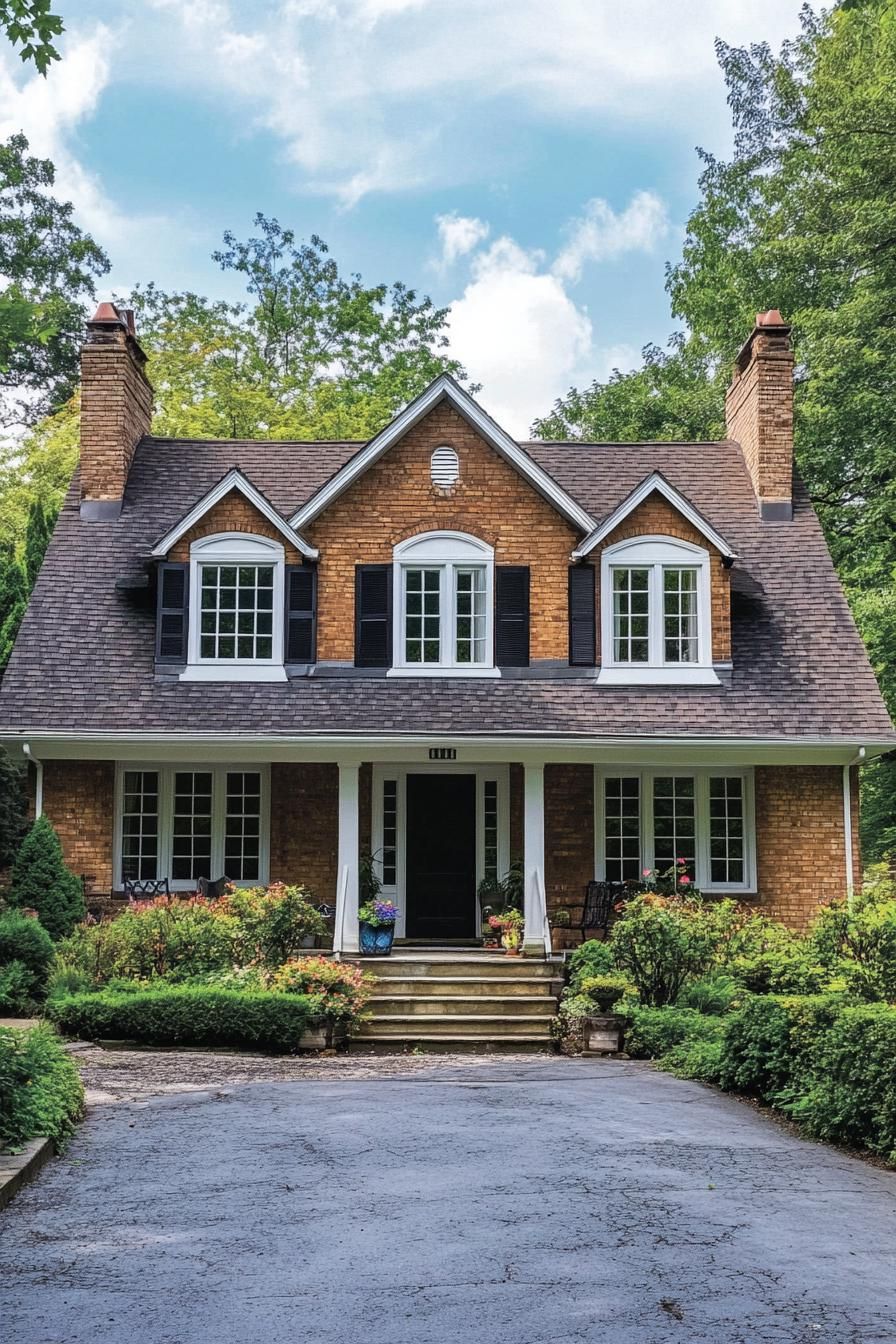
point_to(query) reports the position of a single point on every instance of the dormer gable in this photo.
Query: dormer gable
(216, 508)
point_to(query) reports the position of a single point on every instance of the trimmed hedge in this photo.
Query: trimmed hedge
(188, 1015)
(770, 1043)
(653, 1032)
(41, 1094)
(26, 950)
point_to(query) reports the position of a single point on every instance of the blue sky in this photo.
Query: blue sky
(530, 163)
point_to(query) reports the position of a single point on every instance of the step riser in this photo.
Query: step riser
(489, 1046)
(505, 1008)
(396, 967)
(456, 1026)
(439, 986)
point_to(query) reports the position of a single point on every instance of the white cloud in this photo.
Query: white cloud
(458, 235)
(600, 234)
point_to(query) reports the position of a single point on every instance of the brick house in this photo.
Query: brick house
(450, 649)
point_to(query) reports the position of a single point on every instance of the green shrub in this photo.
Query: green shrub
(603, 991)
(187, 1015)
(714, 995)
(64, 978)
(40, 1091)
(338, 990)
(273, 923)
(766, 957)
(661, 942)
(699, 1057)
(26, 950)
(592, 958)
(41, 881)
(770, 1041)
(851, 1098)
(859, 941)
(653, 1032)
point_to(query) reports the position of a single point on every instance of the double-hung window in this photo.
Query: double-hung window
(185, 822)
(656, 612)
(443, 602)
(652, 819)
(236, 609)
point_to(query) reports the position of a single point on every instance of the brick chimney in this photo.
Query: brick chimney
(759, 413)
(116, 409)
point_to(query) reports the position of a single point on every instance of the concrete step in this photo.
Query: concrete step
(407, 1025)
(449, 1045)
(403, 964)
(508, 1006)
(473, 986)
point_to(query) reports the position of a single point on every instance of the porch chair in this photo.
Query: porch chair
(600, 898)
(144, 890)
(212, 891)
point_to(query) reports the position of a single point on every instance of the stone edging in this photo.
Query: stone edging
(17, 1169)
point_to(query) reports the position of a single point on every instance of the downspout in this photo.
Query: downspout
(847, 822)
(38, 780)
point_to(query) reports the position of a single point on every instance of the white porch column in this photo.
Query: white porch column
(345, 932)
(534, 907)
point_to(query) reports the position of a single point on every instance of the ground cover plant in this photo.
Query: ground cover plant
(41, 1094)
(720, 993)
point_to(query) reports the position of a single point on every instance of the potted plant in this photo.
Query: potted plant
(497, 897)
(376, 927)
(510, 925)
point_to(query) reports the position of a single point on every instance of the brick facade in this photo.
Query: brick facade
(233, 513)
(116, 409)
(759, 409)
(304, 826)
(656, 517)
(79, 799)
(396, 499)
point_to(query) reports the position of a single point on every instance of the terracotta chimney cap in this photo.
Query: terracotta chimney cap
(106, 312)
(772, 318)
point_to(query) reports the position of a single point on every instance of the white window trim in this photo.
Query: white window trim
(701, 776)
(654, 553)
(397, 891)
(447, 552)
(235, 548)
(166, 773)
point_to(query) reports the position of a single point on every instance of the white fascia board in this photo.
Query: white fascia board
(655, 481)
(445, 387)
(234, 480)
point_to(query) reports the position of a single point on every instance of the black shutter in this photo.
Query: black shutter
(512, 615)
(301, 613)
(373, 615)
(581, 616)
(172, 613)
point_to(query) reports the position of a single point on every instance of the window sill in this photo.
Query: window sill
(657, 676)
(430, 671)
(235, 672)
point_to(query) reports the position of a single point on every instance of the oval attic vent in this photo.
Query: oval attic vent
(444, 466)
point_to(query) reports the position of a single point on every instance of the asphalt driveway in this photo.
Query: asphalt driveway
(517, 1202)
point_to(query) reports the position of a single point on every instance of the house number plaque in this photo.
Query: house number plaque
(443, 753)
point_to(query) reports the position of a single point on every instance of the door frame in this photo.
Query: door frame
(396, 891)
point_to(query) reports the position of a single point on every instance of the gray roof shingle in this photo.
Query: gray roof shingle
(84, 656)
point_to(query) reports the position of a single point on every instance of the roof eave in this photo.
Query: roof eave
(233, 480)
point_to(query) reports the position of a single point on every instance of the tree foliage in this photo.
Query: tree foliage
(41, 881)
(31, 26)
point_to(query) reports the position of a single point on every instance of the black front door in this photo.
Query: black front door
(440, 865)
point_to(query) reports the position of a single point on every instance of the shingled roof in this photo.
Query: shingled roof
(83, 661)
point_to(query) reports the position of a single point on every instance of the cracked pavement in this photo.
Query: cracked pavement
(419, 1200)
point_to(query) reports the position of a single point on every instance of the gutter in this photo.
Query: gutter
(38, 780)
(847, 822)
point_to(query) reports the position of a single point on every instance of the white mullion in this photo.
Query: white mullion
(447, 616)
(648, 858)
(219, 821)
(702, 873)
(166, 819)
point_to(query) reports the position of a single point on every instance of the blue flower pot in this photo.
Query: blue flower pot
(375, 940)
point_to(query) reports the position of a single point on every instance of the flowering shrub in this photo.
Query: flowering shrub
(675, 878)
(661, 942)
(338, 991)
(273, 923)
(378, 914)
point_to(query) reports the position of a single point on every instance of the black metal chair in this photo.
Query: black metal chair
(600, 898)
(212, 891)
(145, 889)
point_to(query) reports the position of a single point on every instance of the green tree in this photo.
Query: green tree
(48, 267)
(13, 597)
(12, 808)
(38, 469)
(37, 538)
(31, 26)
(41, 881)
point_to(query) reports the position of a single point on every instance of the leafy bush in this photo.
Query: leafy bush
(603, 991)
(653, 1032)
(274, 923)
(338, 991)
(188, 1015)
(592, 958)
(766, 957)
(859, 940)
(697, 1057)
(714, 995)
(664, 941)
(26, 950)
(40, 1091)
(851, 1098)
(770, 1042)
(41, 881)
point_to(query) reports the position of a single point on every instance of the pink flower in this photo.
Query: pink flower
(646, 872)
(682, 860)
(684, 879)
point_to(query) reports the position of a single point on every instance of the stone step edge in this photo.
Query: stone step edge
(424, 1018)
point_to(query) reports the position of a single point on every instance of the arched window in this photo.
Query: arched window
(443, 602)
(236, 608)
(655, 606)
(444, 467)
